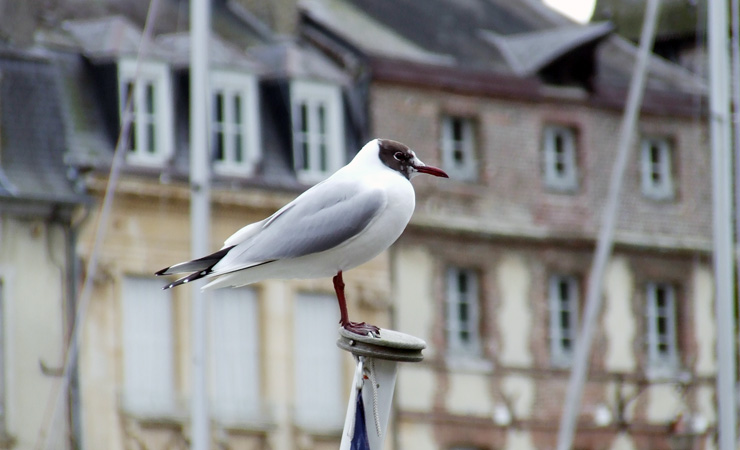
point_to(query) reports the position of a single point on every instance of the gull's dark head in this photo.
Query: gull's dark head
(402, 159)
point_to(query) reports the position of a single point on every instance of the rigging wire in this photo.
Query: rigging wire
(72, 351)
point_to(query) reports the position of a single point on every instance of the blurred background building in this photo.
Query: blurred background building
(520, 106)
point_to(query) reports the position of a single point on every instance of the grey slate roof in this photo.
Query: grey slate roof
(511, 38)
(33, 133)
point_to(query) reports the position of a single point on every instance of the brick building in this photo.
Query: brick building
(522, 108)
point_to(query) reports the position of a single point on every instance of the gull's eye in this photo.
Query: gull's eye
(398, 156)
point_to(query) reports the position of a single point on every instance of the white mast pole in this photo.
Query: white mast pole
(719, 127)
(200, 213)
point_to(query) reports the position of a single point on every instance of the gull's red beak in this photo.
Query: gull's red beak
(431, 170)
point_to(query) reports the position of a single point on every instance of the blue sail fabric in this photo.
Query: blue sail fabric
(359, 439)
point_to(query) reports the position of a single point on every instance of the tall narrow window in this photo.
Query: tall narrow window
(458, 148)
(661, 326)
(148, 345)
(148, 90)
(235, 131)
(563, 298)
(234, 353)
(317, 364)
(559, 148)
(462, 314)
(318, 130)
(656, 173)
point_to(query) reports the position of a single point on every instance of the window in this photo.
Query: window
(148, 345)
(458, 148)
(319, 385)
(234, 353)
(317, 130)
(657, 179)
(461, 321)
(559, 147)
(661, 326)
(563, 299)
(150, 134)
(235, 132)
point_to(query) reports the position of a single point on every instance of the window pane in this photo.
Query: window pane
(462, 282)
(238, 147)
(321, 113)
(304, 118)
(132, 136)
(218, 145)
(218, 107)
(149, 98)
(463, 310)
(151, 138)
(457, 129)
(237, 109)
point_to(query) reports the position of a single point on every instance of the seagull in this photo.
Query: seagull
(338, 224)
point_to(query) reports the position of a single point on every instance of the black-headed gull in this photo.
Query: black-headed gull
(338, 224)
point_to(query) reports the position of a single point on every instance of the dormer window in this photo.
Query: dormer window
(318, 130)
(235, 130)
(148, 86)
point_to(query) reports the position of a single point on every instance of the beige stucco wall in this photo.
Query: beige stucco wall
(32, 269)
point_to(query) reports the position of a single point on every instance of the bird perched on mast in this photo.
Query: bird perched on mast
(338, 224)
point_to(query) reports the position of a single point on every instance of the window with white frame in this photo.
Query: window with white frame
(234, 128)
(148, 346)
(656, 168)
(318, 129)
(661, 326)
(148, 88)
(317, 363)
(563, 299)
(462, 312)
(560, 158)
(458, 148)
(234, 355)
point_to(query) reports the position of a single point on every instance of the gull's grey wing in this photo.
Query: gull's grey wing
(322, 218)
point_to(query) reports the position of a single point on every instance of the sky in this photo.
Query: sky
(578, 10)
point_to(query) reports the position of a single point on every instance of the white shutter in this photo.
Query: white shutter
(148, 345)
(317, 360)
(234, 355)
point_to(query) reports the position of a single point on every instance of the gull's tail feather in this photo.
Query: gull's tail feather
(198, 267)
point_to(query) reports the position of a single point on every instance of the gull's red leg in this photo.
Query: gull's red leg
(358, 328)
